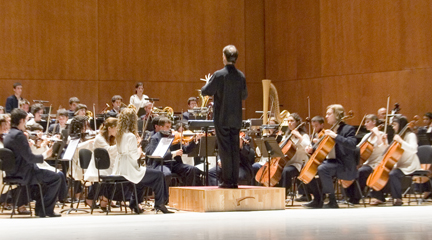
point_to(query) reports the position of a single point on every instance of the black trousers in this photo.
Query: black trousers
(395, 182)
(229, 153)
(244, 176)
(287, 174)
(363, 174)
(51, 183)
(324, 185)
(189, 174)
(156, 180)
(106, 190)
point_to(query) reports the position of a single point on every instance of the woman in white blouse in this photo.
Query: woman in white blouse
(407, 164)
(126, 163)
(138, 99)
(300, 140)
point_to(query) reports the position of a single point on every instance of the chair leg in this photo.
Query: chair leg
(110, 199)
(95, 197)
(124, 199)
(28, 200)
(361, 192)
(15, 200)
(5, 203)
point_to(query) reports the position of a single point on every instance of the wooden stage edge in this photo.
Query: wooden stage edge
(214, 199)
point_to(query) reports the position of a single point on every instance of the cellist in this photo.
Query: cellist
(375, 138)
(340, 162)
(407, 164)
(301, 140)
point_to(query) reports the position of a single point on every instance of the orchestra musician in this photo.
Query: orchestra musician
(301, 140)
(24, 104)
(172, 162)
(26, 165)
(2, 110)
(127, 166)
(139, 98)
(149, 116)
(12, 101)
(381, 114)
(62, 118)
(73, 103)
(37, 111)
(116, 102)
(192, 103)
(375, 137)
(317, 123)
(424, 134)
(341, 160)
(228, 86)
(407, 164)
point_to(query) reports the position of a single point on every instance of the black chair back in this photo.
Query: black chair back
(425, 154)
(84, 158)
(7, 160)
(102, 158)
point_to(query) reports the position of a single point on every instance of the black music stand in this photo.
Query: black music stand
(207, 149)
(203, 125)
(269, 148)
(161, 149)
(68, 156)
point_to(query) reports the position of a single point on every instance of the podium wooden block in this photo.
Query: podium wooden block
(214, 199)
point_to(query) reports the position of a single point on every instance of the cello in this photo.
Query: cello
(379, 178)
(277, 164)
(322, 149)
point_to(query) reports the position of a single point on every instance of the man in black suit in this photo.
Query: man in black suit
(25, 164)
(341, 161)
(12, 102)
(228, 86)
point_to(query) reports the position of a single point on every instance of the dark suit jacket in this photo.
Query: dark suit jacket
(346, 152)
(11, 103)
(228, 86)
(423, 137)
(25, 160)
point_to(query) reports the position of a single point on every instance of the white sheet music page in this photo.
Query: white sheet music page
(162, 147)
(70, 150)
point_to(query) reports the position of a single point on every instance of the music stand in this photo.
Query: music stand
(207, 149)
(68, 156)
(203, 125)
(269, 148)
(161, 149)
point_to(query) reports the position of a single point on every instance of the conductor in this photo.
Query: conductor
(228, 86)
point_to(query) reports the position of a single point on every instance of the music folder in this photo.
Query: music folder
(276, 150)
(162, 147)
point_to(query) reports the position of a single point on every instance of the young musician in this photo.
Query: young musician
(317, 123)
(62, 118)
(272, 133)
(228, 86)
(341, 160)
(12, 102)
(25, 162)
(300, 141)
(375, 137)
(126, 162)
(172, 162)
(73, 103)
(37, 111)
(424, 134)
(81, 110)
(407, 164)
(116, 102)
(139, 98)
(192, 103)
(2, 110)
(24, 104)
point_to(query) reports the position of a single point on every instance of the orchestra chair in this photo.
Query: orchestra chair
(102, 161)
(424, 154)
(7, 163)
(85, 156)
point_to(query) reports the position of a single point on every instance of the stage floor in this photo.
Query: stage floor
(406, 222)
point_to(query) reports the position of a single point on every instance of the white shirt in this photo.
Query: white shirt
(138, 103)
(92, 174)
(409, 161)
(377, 153)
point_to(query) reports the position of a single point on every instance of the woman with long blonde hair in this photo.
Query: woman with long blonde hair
(126, 163)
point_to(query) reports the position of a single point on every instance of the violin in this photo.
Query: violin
(322, 149)
(184, 137)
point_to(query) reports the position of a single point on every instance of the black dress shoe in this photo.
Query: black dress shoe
(163, 209)
(313, 204)
(54, 215)
(331, 205)
(225, 185)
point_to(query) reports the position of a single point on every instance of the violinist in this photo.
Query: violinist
(172, 159)
(192, 103)
(116, 103)
(317, 123)
(341, 160)
(375, 137)
(62, 117)
(301, 140)
(424, 134)
(73, 103)
(407, 164)
(37, 111)
(12, 101)
(247, 158)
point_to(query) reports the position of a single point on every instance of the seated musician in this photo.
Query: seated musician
(26, 165)
(317, 123)
(12, 101)
(300, 141)
(24, 104)
(2, 110)
(407, 164)
(139, 98)
(341, 161)
(37, 111)
(126, 164)
(172, 162)
(424, 134)
(73, 103)
(3, 129)
(192, 103)
(116, 103)
(381, 114)
(148, 107)
(147, 135)
(375, 137)
(81, 110)
(247, 158)
(62, 118)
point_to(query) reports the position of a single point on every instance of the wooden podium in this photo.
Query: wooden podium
(214, 199)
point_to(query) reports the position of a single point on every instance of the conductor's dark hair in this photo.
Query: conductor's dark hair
(16, 115)
(230, 53)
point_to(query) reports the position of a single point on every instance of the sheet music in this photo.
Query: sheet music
(70, 150)
(162, 147)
